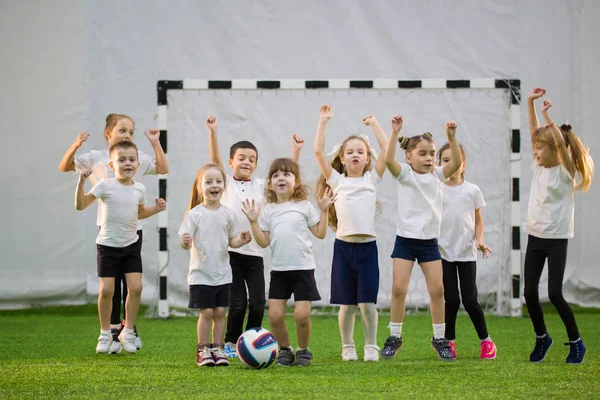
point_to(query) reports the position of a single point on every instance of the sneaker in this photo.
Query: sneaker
(204, 357)
(219, 357)
(488, 350)
(128, 341)
(391, 346)
(104, 342)
(115, 346)
(542, 345)
(138, 341)
(230, 350)
(442, 348)
(577, 352)
(303, 358)
(285, 358)
(371, 353)
(453, 348)
(349, 353)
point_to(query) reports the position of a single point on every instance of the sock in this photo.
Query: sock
(126, 331)
(543, 336)
(487, 338)
(439, 331)
(115, 326)
(395, 329)
(575, 341)
(106, 333)
(203, 345)
(300, 349)
(346, 317)
(368, 313)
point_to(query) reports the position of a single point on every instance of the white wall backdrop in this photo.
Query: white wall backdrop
(67, 64)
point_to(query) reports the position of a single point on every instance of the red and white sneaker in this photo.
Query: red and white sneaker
(204, 357)
(452, 347)
(488, 350)
(219, 356)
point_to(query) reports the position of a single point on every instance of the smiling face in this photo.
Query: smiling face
(422, 157)
(283, 183)
(124, 162)
(243, 163)
(355, 156)
(121, 131)
(212, 185)
(544, 154)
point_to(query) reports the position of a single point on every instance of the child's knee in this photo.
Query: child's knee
(302, 317)
(107, 292)
(219, 313)
(276, 317)
(207, 313)
(399, 290)
(436, 291)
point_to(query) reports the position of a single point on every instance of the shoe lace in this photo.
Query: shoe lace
(205, 353)
(130, 338)
(219, 352)
(104, 339)
(574, 346)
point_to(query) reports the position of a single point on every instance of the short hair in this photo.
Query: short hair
(244, 144)
(124, 145)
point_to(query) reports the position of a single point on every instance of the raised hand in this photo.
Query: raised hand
(81, 137)
(297, 141)
(211, 122)
(83, 175)
(397, 122)
(451, 129)
(245, 237)
(482, 247)
(325, 113)
(161, 204)
(186, 239)
(327, 200)
(546, 106)
(153, 135)
(536, 93)
(369, 119)
(251, 209)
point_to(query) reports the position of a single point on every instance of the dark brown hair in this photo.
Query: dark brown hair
(408, 144)
(123, 145)
(111, 121)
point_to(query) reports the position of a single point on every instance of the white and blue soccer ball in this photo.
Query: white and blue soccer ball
(257, 348)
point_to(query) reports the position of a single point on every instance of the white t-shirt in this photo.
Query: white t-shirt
(457, 234)
(209, 256)
(356, 202)
(550, 213)
(118, 205)
(291, 239)
(97, 162)
(235, 193)
(419, 203)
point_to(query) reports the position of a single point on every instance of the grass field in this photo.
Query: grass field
(50, 353)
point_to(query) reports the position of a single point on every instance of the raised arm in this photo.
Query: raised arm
(297, 145)
(324, 116)
(559, 141)
(162, 165)
(68, 161)
(320, 230)
(479, 242)
(456, 161)
(534, 124)
(371, 121)
(252, 210)
(83, 201)
(213, 143)
(390, 152)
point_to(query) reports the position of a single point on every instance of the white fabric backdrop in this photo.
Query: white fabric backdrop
(59, 78)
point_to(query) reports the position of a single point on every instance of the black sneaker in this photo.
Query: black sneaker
(542, 345)
(285, 358)
(303, 358)
(577, 352)
(442, 348)
(391, 346)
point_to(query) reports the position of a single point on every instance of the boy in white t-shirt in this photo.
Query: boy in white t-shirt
(287, 224)
(247, 261)
(461, 235)
(418, 229)
(121, 202)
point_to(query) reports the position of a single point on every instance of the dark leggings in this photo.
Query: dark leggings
(466, 271)
(120, 281)
(535, 257)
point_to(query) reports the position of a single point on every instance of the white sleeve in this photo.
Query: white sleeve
(479, 201)
(405, 170)
(439, 173)
(564, 174)
(374, 178)
(99, 190)
(142, 189)
(335, 180)
(147, 164)
(263, 220)
(313, 217)
(189, 225)
(84, 162)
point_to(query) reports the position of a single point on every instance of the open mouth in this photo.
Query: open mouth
(215, 192)
(354, 162)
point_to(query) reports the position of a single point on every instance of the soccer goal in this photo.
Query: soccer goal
(268, 112)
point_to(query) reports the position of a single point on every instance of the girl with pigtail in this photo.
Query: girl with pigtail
(355, 271)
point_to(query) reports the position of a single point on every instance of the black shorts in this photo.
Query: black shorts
(301, 283)
(205, 296)
(116, 261)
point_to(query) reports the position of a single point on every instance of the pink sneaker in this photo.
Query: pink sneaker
(488, 350)
(452, 347)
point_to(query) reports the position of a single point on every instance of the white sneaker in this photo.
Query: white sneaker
(371, 352)
(128, 341)
(349, 353)
(115, 347)
(104, 342)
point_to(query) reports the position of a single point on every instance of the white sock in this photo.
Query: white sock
(106, 333)
(126, 331)
(346, 317)
(300, 349)
(575, 341)
(487, 338)
(439, 330)
(395, 329)
(541, 337)
(368, 313)
(115, 326)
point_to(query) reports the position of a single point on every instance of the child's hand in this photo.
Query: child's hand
(251, 209)
(211, 122)
(161, 204)
(152, 135)
(325, 114)
(83, 175)
(186, 239)
(451, 129)
(297, 141)
(546, 106)
(397, 122)
(536, 93)
(327, 199)
(482, 247)
(245, 237)
(81, 137)
(369, 120)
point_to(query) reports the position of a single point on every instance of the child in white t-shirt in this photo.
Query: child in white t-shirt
(119, 127)
(461, 235)
(286, 224)
(418, 228)
(559, 158)
(121, 203)
(208, 230)
(355, 268)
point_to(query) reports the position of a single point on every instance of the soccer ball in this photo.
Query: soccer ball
(257, 348)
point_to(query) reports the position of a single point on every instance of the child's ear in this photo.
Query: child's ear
(111, 165)
(230, 162)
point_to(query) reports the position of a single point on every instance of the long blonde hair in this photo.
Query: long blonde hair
(196, 196)
(286, 165)
(336, 164)
(580, 153)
